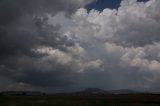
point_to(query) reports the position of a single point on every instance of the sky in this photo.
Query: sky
(70, 45)
(103, 4)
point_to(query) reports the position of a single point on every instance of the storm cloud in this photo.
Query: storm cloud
(23, 28)
(49, 45)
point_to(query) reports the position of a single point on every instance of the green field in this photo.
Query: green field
(103, 100)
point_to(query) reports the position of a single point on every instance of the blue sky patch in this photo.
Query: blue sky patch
(102, 4)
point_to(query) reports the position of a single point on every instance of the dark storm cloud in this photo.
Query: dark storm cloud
(23, 28)
(37, 72)
(41, 48)
(13, 10)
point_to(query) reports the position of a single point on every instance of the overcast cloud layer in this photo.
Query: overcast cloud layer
(58, 45)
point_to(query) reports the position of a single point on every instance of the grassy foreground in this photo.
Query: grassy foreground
(92, 100)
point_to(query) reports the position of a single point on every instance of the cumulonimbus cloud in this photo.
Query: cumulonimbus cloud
(112, 49)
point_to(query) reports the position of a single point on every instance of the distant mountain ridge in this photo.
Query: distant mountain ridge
(123, 91)
(22, 93)
(93, 91)
(101, 91)
(87, 91)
